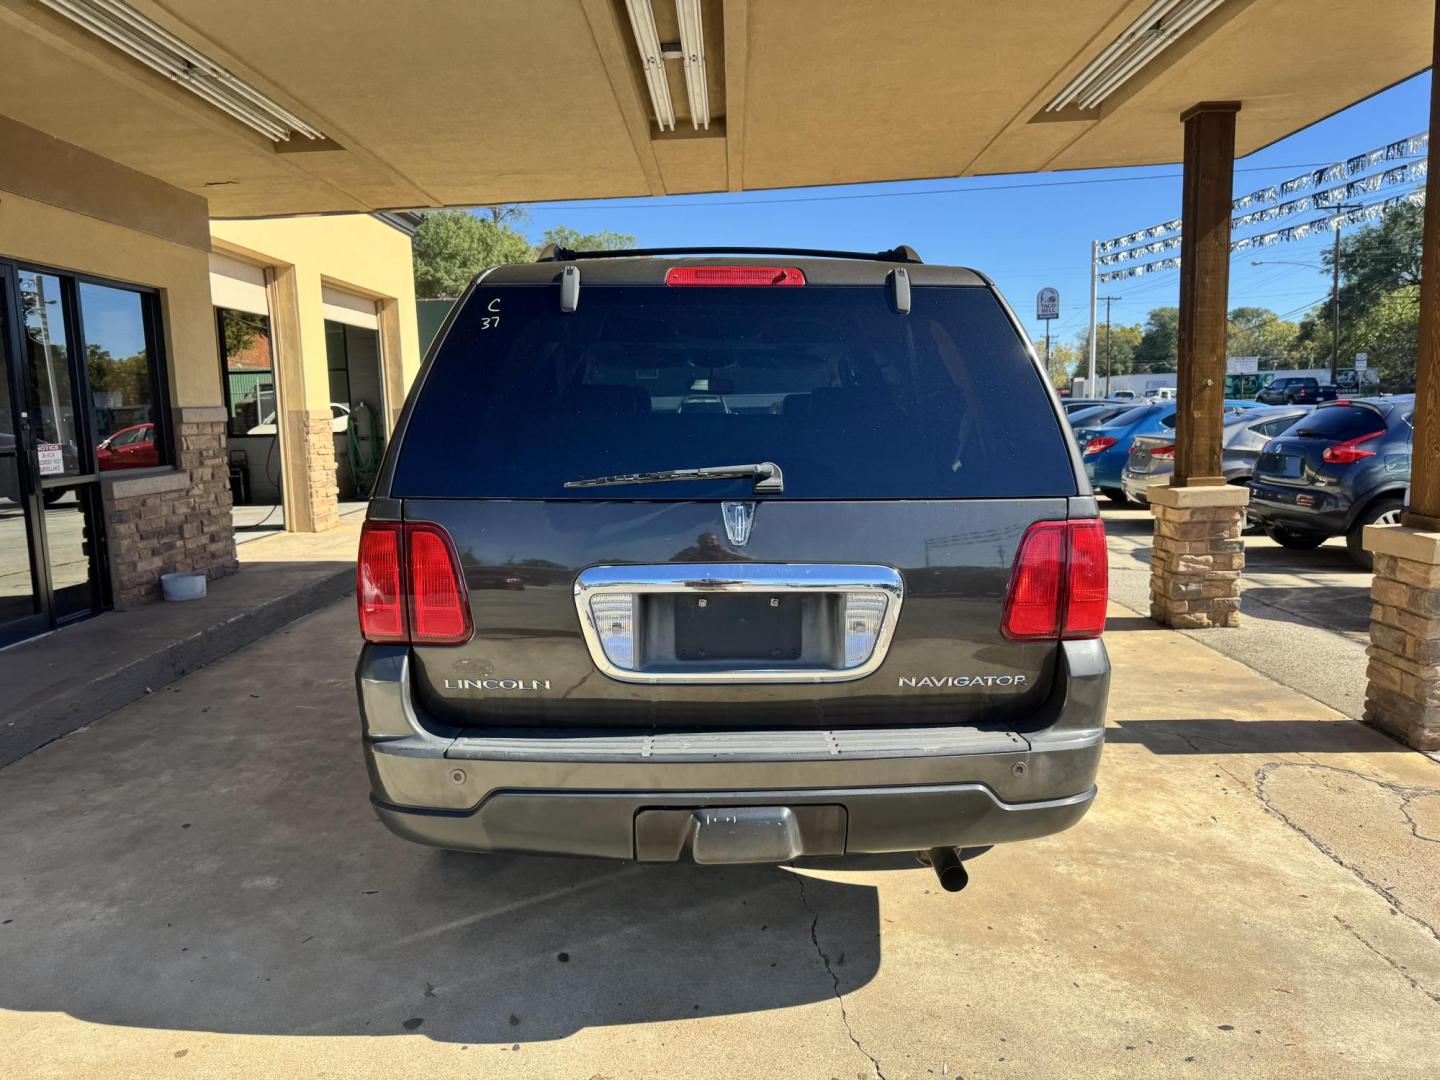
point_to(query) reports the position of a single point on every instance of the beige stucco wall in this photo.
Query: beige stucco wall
(354, 252)
(61, 238)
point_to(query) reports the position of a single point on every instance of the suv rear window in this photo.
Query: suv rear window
(850, 399)
(1340, 422)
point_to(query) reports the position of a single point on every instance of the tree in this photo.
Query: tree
(452, 246)
(1388, 331)
(1123, 343)
(507, 213)
(1257, 331)
(1379, 299)
(1063, 363)
(1379, 258)
(573, 239)
(1159, 347)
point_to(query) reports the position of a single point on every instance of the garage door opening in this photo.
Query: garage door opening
(249, 383)
(357, 395)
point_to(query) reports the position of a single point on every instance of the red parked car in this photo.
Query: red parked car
(129, 448)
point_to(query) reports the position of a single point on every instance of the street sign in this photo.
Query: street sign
(1242, 365)
(1047, 304)
(1362, 361)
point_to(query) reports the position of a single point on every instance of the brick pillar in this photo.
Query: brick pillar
(1403, 693)
(175, 521)
(1196, 559)
(321, 488)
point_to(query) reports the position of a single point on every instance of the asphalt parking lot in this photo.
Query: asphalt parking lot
(196, 887)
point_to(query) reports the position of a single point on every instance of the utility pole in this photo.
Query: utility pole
(1094, 289)
(1340, 208)
(1108, 301)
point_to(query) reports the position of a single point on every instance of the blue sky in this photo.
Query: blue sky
(1026, 231)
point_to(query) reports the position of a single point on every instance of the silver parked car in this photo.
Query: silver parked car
(1152, 457)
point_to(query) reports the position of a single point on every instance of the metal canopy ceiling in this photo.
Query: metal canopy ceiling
(450, 102)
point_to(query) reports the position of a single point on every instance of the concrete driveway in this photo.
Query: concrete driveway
(195, 886)
(1305, 615)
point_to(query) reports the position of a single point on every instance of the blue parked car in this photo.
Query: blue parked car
(1106, 448)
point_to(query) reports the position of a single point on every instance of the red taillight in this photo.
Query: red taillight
(379, 592)
(1163, 451)
(734, 275)
(1032, 606)
(1088, 582)
(439, 607)
(1059, 584)
(409, 586)
(1099, 445)
(1349, 452)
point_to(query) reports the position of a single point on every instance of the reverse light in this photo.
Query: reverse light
(734, 275)
(1349, 451)
(613, 615)
(1099, 445)
(409, 587)
(864, 615)
(1059, 584)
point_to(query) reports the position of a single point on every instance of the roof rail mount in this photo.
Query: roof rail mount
(904, 253)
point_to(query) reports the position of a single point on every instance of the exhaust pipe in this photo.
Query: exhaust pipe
(945, 861)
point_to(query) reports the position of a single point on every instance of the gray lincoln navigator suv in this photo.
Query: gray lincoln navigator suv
(732, 557)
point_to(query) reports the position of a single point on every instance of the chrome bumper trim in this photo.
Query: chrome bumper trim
(691, 578)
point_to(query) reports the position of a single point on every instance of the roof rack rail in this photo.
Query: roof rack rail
(904, 253)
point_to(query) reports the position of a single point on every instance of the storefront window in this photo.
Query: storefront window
(123, 381)
(249, 372)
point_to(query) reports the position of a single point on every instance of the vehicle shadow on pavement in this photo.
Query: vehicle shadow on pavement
(1121, 623)
(206, 860)
(1228, 736)
(379, 937)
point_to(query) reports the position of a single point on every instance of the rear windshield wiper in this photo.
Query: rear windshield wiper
(767, 476)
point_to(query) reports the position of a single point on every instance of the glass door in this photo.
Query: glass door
(22, 610)
(50, 540)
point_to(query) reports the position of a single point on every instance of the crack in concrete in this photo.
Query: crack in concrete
(1263, 774)
(834, 979)
(1399, 970)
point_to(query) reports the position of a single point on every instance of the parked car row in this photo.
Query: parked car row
(1315, 471)
(1105, 447)
(1152, 457)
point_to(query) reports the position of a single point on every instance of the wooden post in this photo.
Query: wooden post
(1425, 460)
(1204, 291)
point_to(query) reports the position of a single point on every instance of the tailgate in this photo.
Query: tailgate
(528, 663)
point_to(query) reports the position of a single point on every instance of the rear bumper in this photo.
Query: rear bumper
(1137, 485)
(1104, 469)
(1277, 504)
(859, 820)
(641, 796)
